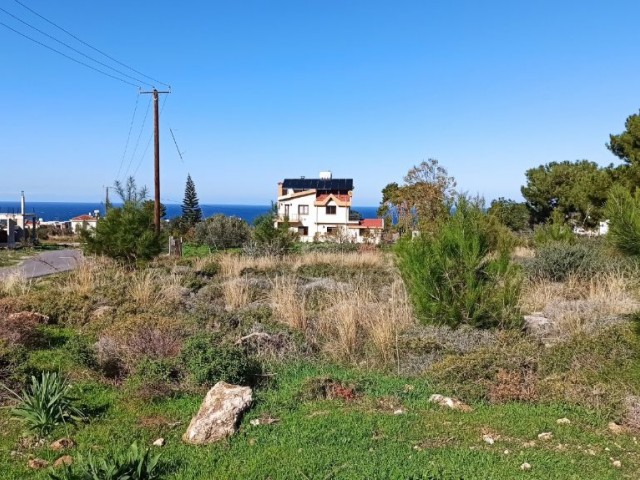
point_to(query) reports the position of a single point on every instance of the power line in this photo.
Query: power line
(135, 149)
(90, 46)
(74, 49)
(126, 145)
(67, 56)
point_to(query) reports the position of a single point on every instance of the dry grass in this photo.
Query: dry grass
(579, 304)
(15, 284)
(347, 259)
(288, 303)
(144, 288)
(237, 293)
(231, 266)
(523, 253)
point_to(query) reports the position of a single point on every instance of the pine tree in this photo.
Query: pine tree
(191, 212)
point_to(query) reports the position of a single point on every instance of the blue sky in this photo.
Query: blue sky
(263, 90)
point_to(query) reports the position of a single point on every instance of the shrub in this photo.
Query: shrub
(269, 240)
(136, 464)
(81, 351)
(208, 361)
(46, 403)
(556, 230)
(155, 379)
(456, 276)
(557, 261)
(220, 232)
(623, 212)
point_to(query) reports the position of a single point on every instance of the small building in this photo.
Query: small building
(83, 222)
(15, 227)
(319, 209)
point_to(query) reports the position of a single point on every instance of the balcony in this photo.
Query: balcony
(291, 218)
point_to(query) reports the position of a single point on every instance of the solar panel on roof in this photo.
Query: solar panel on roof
(318, 184)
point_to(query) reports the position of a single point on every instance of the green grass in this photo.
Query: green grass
(320, 438)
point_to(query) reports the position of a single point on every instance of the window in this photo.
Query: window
(332, 230)
(303, 231)
(331, 209)
(303, 209)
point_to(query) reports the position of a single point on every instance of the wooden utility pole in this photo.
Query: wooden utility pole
(106, 201)
(156, 159)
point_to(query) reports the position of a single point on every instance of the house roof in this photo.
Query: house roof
(372, 223)
(297, 194)
(84, 218)
(342, 184)
(340, 199)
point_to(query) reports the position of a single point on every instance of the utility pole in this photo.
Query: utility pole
(156, 158)
(106, 201)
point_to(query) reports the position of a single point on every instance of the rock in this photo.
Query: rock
(615, 428)
(563, 421)
(159, 442)
(399, 411)
(525, 466)
(537, 324)
(265, 420)
(617, 463)
(62, 461)
(219, 414)
(545, 436)
(62, 444)
(452, 403)
(488, 439)
(37, 464)
(506, 452)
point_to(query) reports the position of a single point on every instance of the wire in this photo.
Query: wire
(150, 138)
(90, 46)
(135, 149)
(67, 56)
(126, 145)
(74, 49)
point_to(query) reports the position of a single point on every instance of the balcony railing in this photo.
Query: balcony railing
(292, 217)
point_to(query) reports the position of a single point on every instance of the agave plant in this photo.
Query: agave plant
(46, 403)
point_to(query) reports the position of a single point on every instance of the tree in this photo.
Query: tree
(422, 201)
(126, 233)
(220, 232)
(623, 212)
(514, 215)
(578, 189)
(191, 212)
(626, 146)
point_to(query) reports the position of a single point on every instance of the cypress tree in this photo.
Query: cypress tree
(191, 212)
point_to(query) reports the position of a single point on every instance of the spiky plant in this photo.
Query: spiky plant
(46, 403)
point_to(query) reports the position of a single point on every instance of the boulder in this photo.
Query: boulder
(537, 324)
(65, 460)
(219, 414)
(62, 444)
(37, 464)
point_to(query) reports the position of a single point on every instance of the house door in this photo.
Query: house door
(286, 211)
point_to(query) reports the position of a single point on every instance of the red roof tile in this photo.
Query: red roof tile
(372, 222)
(84, 218)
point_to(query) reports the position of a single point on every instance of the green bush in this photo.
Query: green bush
(220, 232)
(46, 403)
(154, 379)
(208, 361)
(458, 275)
(555, 231)
(623, 212)
(558, 261)
(80, 350)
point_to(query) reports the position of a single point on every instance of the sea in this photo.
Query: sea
(63, 211)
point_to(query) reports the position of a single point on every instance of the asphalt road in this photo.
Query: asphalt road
(46, 263)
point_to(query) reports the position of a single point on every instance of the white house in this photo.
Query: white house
(319, 209)
(82, 222)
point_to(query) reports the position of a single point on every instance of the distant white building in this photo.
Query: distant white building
(82, 222)
(319, 209)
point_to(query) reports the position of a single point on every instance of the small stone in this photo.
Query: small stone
(488, 439)
(62, 444)
(531, 443)
(607, 449)
(37, 464)
(62, 461)
(452, 403)
(617, 463)
(563, 421)
(545, 436)
(399, 411)
(506, 452)
(159, 442)
(525, 466)
(615, 428)
(591, 452)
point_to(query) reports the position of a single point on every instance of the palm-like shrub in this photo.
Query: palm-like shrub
(461, 274)
(46, 403)
(623, 212)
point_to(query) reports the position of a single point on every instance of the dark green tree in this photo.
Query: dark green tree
(191, 212)
(626, 146)
(125, 233)
(578, 189)
(512, 214)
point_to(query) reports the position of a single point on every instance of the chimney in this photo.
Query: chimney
(280, 190)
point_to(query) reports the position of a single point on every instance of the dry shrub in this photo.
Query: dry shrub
(16, 283)
(144, 289)
(289, 303)
(238, 292)
(580, 304)
(21, 329)
(513, 385)
(355, 322)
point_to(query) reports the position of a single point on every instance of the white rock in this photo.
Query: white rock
(617, 463)
(545, 436)
(488, 439)
(563, 421)
(159, 442)
(525, 466)
(219, 414)
(449, 402)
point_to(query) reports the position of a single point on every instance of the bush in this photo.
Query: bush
(125, 233)
(269, 240)
(555, 231)
(458, 276)
(623, 212)
(46, 403)
(155, 379)
(81, 351)
(221, 232)
(558, 261)
(208, 361)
